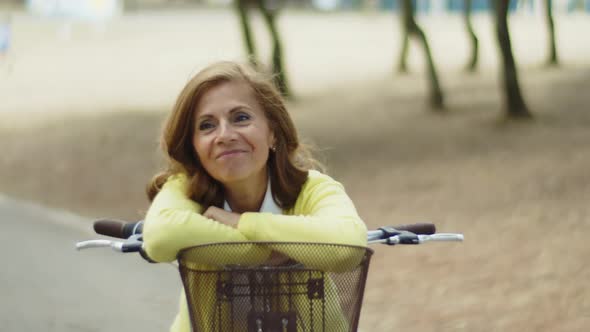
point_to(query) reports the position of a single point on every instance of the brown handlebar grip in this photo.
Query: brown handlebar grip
(110, 227)
(418, 228)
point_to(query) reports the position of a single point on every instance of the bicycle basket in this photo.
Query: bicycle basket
(240, 286)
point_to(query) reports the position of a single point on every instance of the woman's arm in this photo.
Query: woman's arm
(323, 213)
(174, 222)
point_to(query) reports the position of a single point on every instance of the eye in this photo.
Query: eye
(205, 125)
(240, 117)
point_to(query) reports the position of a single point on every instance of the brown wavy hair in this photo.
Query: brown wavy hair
(288, 165)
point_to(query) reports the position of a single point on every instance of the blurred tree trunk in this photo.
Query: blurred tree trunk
(411, 28)
(515, 106)
(278, 68)
(242, 9)
(472, 65)
(402, 66)
(552, 61)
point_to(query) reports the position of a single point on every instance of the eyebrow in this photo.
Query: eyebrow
(232, 110)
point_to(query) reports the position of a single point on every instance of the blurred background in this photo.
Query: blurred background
(472, 114)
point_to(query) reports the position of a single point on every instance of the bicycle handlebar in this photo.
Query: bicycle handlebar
(132, 244)
(123, 230)
(117, 228)
(411, 238)
(389, 231)
(390, 235)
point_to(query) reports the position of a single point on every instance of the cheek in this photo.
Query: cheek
(200, 147)
(262, 141)
(265, 136)
(263, 149)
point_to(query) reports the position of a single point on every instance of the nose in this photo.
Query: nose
(226, 132)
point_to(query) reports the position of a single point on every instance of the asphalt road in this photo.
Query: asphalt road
(46, 285)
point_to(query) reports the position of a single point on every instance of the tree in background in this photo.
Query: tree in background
(242, 9)
(472, 65)
(552, 60)
(515, 105)
(269, 10)
(411, 28)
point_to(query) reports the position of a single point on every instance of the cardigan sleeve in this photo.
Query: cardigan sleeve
(323, 213)
(174, 222)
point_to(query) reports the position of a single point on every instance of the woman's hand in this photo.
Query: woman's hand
(276, 258)
(228, 218)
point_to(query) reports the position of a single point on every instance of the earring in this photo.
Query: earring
(273, 149)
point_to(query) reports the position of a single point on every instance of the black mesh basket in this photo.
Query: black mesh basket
(270, 286)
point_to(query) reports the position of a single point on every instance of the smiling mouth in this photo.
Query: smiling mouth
(230, 154)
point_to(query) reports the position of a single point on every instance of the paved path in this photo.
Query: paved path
(46, 285)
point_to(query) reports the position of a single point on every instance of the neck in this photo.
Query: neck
(246, 196)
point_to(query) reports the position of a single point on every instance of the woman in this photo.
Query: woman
(236, 172)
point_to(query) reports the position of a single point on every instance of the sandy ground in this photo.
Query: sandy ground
(142, 60)
(81, 112)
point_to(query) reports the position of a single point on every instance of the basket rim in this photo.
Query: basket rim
(231, 243)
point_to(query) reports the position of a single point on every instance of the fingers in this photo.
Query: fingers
(277, 258)
(213, 212)
(209, 213)
(222, 216)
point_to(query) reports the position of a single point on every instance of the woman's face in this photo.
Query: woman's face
(232, 136)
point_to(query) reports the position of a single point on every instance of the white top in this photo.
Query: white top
(268, 204)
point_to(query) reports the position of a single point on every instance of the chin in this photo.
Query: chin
(234, 176)
(231, 179)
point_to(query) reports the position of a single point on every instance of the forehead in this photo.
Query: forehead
(226, 96)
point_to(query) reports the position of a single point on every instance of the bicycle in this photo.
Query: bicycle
(238, 286)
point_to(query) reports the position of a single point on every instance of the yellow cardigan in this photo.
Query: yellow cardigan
(322, 213)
